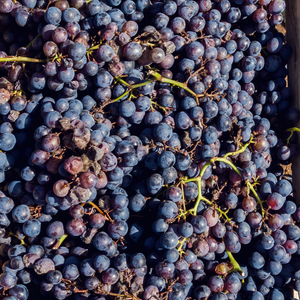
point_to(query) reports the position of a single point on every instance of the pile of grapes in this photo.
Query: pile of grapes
(144, 147)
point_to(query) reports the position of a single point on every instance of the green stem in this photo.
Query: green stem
(207, 164)
(249, 185)
(22, 241)
(158, 77)
(228, 162)
(96, 47)
(130, 88)
(291, 130)
(180, 244)
(123, 81)
(193, 210)
(217, 208)
(61, 240)
(22, 59)
(120, 97)
(141, 84)
(159, 106)
(236, 266)
(241, 150)
(224, 159)
(201, 198)
(32, 41)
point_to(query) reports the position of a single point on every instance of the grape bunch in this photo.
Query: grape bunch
(144, 148)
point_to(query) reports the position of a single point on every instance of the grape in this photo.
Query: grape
(55, 229)
(54, 277)
(71, 14)
(165, 160)
(274, 45)
(59, 35)
(73, 165)
(233, 15)
(224, 123)
(6, 205)
(211, 217)
(77, 51)
(277, 253)
(19, 291)
(289, 207)
(101, 263)
(232, 283)
(194, 50)
(6, 6)
(117, 229)
(128, 7)
(75, 227)
(283, 187)
(275, 201)
(21, 213)
(43, 266)
(215, 283)
(110, 276)
(7, 280)
(210, 134)
(132, 51)
(70, 272)
(231, 200)
(256, 260)
(32, 228)
(156, 55)
(53, 16)
(276, 7)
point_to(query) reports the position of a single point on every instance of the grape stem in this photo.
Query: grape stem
(181, 244)
(291, 130)
(21, 240)
(249, 185)
(236, 266)
(225, 160)
(216, 208)
(60, 241)
(22, 59)
(126, 295)
(241, 150)
(96, 47)
(160, 78)
(183, 198)
(130, 88)
(123, 81)
(105, 214)
(32, 41)
(159, 106)
(157, 77)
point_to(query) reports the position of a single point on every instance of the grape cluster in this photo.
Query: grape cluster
(143, 146)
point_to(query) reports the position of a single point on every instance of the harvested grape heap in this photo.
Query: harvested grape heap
(142, 146)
